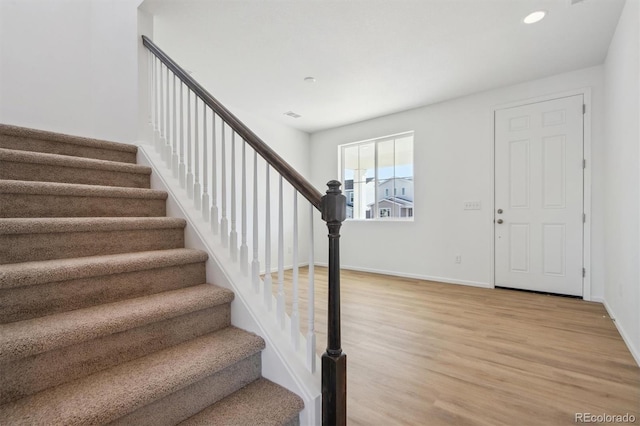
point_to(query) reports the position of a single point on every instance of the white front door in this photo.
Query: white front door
(539, 196)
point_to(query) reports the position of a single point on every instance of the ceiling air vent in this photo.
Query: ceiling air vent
(572, 2)
(292, 114)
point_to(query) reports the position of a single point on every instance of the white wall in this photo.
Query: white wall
(622, 75)
(70, 66)
(291, 144)
(453, 150)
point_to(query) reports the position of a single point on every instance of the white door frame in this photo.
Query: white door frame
(586, 199)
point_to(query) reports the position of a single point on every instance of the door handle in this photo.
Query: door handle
(499, 221)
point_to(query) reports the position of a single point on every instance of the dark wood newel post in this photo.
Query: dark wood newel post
(334, 362)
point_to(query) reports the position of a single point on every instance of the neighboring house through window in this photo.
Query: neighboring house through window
(372, 171)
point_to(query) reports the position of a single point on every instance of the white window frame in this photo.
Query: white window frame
(375, 210)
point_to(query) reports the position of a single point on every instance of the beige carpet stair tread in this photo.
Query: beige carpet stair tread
(24, 198)
(109, 394)
(36, 239)
(23, 132)
(24, 338)
(85, 224)
(262, 403)
(40, 272)
(80, 190)
(16, 156)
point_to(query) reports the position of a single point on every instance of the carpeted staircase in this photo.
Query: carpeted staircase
(106, 317)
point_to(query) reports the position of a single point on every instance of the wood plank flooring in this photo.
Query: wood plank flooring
(427, 353)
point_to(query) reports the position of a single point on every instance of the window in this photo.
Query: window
(372, 170)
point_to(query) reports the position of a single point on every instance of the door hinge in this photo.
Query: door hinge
(584, 272)
(584, 108)
(584, 218)
(584, 163)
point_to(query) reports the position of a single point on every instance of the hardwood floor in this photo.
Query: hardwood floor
(427, 353)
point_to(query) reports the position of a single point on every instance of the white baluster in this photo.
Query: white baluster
(174, 156)
(311, 332)
(267, 244)
(181, 166)
(205, 166)
(150, 94)
(166, 152)
(224, 223)
(295, 315)
(280, 299)
(156, 121)
(189, 148)
(214, 184)
(160, 144)
(255, 264)
(197, 201)
(244, 250)
(233, 244)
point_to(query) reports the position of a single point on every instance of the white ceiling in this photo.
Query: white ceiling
(373, 57)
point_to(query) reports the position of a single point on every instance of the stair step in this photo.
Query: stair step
(36, 166)
(34, 273)
(155, 326)
(21, 138)
(260, 403)
(112, 393)
(194, 398)
(25, 338)
(33, 289)
(33, 239)
(51, 199)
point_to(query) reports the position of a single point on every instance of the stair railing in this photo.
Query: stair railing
(206, 147)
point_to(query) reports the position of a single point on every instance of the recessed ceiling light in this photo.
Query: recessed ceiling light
(309, 80)
(534, 17)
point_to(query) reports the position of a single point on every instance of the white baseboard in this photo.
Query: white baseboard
(635, 352)
(412, 276)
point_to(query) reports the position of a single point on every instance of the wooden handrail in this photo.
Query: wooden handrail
(302, 185)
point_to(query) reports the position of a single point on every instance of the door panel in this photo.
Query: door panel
(519, 247)
(554, 249)
(519, 174)
(554, 184)
(539, 188)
